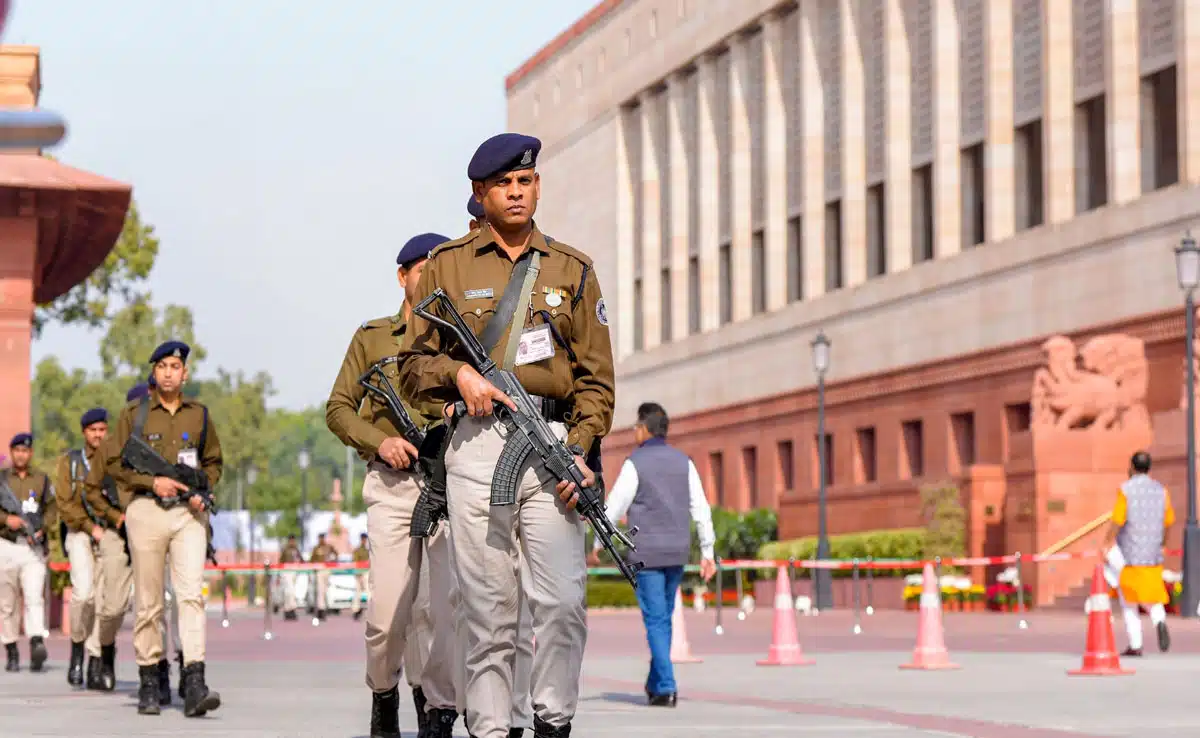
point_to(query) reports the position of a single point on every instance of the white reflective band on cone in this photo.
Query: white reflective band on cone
(930, 600)
(1099, 603)
(783, 601)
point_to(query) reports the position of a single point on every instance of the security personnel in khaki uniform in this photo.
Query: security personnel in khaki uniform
(362, 555)
(23, 567)
(562, 328)
(391, 492)
(322, 553)
(522, 716)
(100, 573)
(181, 431)
(287, 577)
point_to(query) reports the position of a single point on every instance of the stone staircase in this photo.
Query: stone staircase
(1073, 600)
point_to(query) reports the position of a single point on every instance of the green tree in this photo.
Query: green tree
(137, 329)
(60, 398)
(238, 407)
(122, 275)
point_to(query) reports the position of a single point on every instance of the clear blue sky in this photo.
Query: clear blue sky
(284, 151)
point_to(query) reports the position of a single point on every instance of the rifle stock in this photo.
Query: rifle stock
(532, 435)
(140, 456)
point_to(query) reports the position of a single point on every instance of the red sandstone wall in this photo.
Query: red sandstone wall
(17, 250)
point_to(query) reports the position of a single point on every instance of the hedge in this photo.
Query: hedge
(901, 543)
(610, 593)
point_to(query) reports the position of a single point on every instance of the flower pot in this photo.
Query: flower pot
(912, 604)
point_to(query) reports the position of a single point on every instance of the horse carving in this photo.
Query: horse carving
(1099, 387)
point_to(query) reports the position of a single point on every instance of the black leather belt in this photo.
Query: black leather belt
(554, 410)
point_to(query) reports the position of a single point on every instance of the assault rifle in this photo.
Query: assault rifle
(529, 434)
(431, 507)
(31, 523)
(142, 458)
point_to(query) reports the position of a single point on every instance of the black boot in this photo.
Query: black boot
(541, 730)
(179, 660)
(422, 717)
(37, 653)
(441, 723)
(385, 714)
(14, 658)
(164, 682)
(289, 615)
(148, 690)
(108, 667)
(75, 670)
(516, 733)
(95, 670)
(198, 699)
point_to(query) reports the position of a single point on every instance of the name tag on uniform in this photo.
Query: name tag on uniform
(189, 457)
(29, 506)
(535, 345)
(478, 294)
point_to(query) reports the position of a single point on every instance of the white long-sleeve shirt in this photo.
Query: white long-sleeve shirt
(625, 489)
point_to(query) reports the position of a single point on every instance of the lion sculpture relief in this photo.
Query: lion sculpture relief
(1099, 387)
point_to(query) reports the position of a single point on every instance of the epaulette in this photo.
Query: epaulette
(380, 322)
(460, 241)
(576, 254)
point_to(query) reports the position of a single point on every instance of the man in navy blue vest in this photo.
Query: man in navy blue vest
(660, 488)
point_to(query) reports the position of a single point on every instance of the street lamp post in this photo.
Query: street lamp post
(252, 589)
(302, 461)
(824, 582)
(1187, 266)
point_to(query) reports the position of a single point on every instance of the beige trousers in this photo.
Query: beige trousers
(153, 533)
(85, 586)
(170, 615)
(487, 566)
(394, 579)
(287, 580)
(22, 577)
(361, 585)
(113, 583)
(419, 641)
(322, 577)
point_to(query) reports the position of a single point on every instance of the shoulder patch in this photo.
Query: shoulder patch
(601, 312)
(575, 254)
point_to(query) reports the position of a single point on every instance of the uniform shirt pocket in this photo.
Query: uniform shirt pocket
(477, 312)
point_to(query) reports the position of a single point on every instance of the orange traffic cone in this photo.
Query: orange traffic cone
(681, 650)
(785, 644)
(930, 653)
(1100, 658)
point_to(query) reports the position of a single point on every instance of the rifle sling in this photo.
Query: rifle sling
(509, 307)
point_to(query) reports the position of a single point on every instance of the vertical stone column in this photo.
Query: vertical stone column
(741, 224)
(625, 240)
(1058, 110)
(812, 137)
(709, 181)
(897, 77)
(1187, 70)
(680, 178)
(18, 249)
(854, 150)
(651, 222)
(999, 154)
(1122, 73)
(947, 158)
(775, 159)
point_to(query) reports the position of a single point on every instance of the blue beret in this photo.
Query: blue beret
(137, 392)
(178, 349)
(418, 247)
(21, 439)
(95, 415)
(474, 208)
(506, 152)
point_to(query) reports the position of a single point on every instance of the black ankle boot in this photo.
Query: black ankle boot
(542, 730)
(516, 733)
(385, 714)
(198, 699)
(422, 717)
(179, 661)
(148, 690)
(95, 671)
(441, 723)
(37, 653)
(75, 670)
(164, 682)
(13, 662)
(108, 667)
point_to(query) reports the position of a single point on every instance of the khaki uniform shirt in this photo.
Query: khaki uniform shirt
(322, 553)
(164, 432)
(473, 271)
(39, 484)
(361, 420)
(291, 555)
(70, 493)
(362, 554)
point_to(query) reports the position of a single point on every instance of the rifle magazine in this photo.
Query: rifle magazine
(512, 461)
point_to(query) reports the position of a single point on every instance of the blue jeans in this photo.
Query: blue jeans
(656, 596)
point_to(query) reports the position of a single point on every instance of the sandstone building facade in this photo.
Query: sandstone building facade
(941, 186)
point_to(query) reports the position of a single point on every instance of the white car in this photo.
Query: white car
(340, 594)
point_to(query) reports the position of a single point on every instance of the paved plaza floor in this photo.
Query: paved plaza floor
(307, 682)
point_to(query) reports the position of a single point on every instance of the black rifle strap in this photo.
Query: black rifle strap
(139, 420)
(203, 435)
(507, 307)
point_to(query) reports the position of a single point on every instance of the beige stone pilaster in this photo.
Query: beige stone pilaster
(1058, 110)
(897, 79)
(625, 238)
(1122, 83)
(947, 136)
(854, 150)
(999, 184)
(679, 191)
(709, 181)
(1187, 70)
(775, 159)
(651, 222)
(812, 137)
(741, 224)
